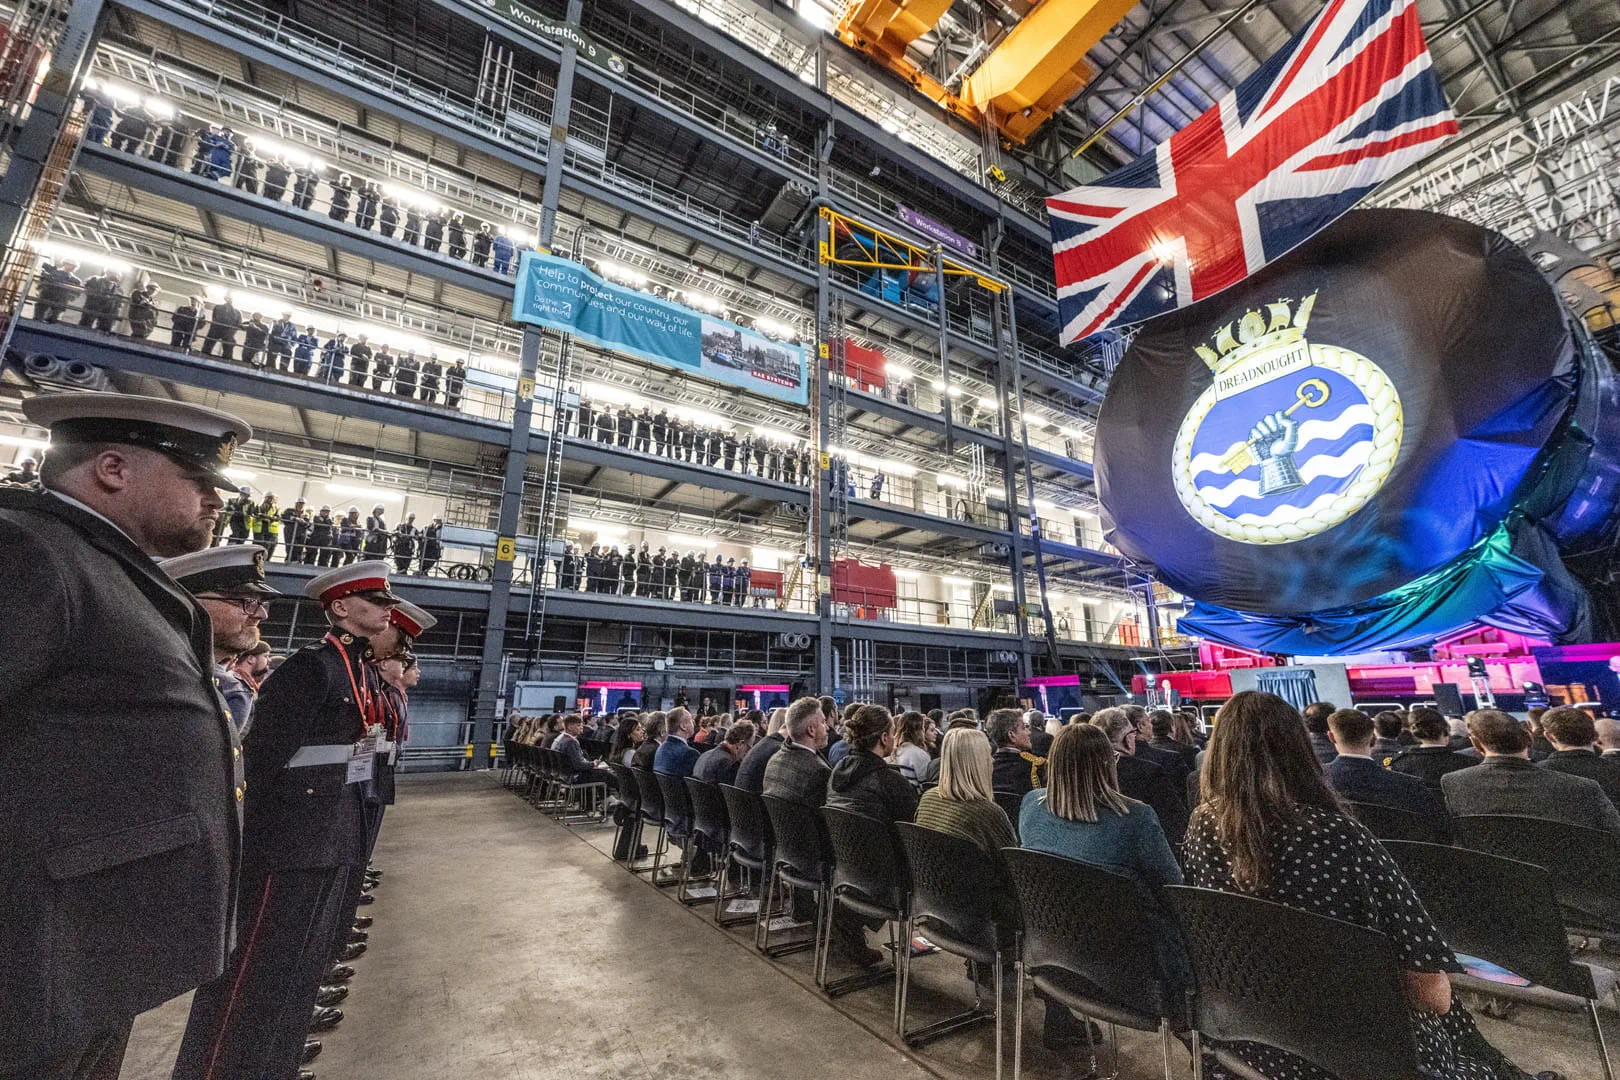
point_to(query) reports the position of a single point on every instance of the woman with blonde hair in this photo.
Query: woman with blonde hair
(964, 802)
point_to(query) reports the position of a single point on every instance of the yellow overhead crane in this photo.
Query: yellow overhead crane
(1033, 70)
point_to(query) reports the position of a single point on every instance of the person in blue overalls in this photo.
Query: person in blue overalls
(304, 351)
(502, 249)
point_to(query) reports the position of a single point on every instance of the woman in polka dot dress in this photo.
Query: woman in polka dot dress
(1270, 827)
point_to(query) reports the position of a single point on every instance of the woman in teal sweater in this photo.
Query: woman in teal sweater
(1081, 815)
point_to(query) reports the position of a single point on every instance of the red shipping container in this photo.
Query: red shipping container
(863, 366)
(765, 583)
(856, 583)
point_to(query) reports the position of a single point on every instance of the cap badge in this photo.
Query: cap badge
(227, 449)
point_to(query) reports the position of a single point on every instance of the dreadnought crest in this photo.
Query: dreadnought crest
(1290, 438)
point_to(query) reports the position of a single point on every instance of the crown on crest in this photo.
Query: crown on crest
(1279, 324)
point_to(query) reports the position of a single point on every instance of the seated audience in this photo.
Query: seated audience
(1316, 716)
(1358, 778)
(1540, 746)
(676, 755)
(652, 729)
(964, 802)
(553, 728)
(912, 754)
(1040, 740)
(796, 772)
(1171, 762)
(719, 766)
(864, 782)
(1141, 779)
(1460, 742)
(580, 766)
(1608, 737)
(1507, 782)
(1270, 827)
(626, 737)
(1164, 739)
(1433, 756)
(1016, 768)
(1573, 737)
(751, 773)
(1082, 815)
(1388, 727)
(1187, 730)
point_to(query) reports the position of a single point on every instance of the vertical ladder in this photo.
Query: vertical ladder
(837, 426)
(977, 475)
(551, 379)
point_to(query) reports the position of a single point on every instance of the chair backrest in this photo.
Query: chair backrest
(709, 819)
(1319, 988)
(867, 857)
(652, 799)
(1496, 909)
(1012, 803)
(556, 764)
(957, 886)
(801, 839)
(677, 807)
(1095, 924)
(1388, 823)
(750, 829)
(629, 793)
(1584, 863)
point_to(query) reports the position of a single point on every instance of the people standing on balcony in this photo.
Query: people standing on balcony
(501, 248)
(255, 333)
(456, 236)
(388, 215)
(59, 286)
(223, 322)
(98, 105)
(382, 369)
(143, 311)
(102, 301)
(643, 429)
(365, 205)
(689, 442)
(583, 418)
(773, 462)
(405, 375)
(659, 429)
(432, 547)
(789, 467)
(377, 534)
(133, 125)
(431, 373)
(304, 348)
(170, 140)
(248, 166)
(433, 232)
(454, 381)
(322, 544)
(728, 580)
(406, 538)
(877, 485)
(184, 322)
(276, 174)
(295, 530)
(627, 572)
(627, 427)
(221, 152)
(482, 241)
(567, 567)
(334, 358)
(305, 177)
(745, 577)
(804, 466)
(239, 515)
(604, 425)
(283, 335)
(728, 450)
(762, 449)
(612, 565)
(716, 443)
(267, 524)
(342, 194)
(359, 362)
(592, 561)
(350, 532)
(648, 570)
(412, 232)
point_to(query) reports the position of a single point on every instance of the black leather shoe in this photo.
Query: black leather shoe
(312, 1050)
(352, 951)
(326, 1019)
(305, 1074)
(357, 937)
(340, 973)
(367, 898)
(368, 886)
(331, 995)
(363, 922)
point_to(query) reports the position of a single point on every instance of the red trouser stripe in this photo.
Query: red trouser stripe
(236, 987)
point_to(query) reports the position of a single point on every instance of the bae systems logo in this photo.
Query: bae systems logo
(1290, 438)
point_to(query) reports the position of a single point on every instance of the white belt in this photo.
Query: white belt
(309, 756)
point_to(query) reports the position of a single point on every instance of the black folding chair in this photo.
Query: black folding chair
(1388, 823)
(869, 878)
(711, 829)
(678, 827)
(652, 813)
(752, 846)
(1584, 863)
(960, 898)
(1104, 967)
(1011, 804)
(1321, 989)
(803, 860)
(1504, 911)
(630, 813)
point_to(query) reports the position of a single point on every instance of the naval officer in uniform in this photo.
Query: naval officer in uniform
(229, 581)
(120, 772)
(310, 760)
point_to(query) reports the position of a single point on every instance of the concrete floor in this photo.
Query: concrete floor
(508, 946)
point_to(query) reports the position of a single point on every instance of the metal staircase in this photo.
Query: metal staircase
(551, 374)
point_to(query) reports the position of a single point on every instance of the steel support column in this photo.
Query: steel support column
(486, 704)
(820, 526)
(1007, 376)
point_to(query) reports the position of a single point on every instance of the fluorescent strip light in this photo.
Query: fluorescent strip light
(358, 492)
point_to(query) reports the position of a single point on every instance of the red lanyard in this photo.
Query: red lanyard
(363, 699)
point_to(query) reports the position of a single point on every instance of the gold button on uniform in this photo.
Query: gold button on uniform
(239, 794)
(236, 752)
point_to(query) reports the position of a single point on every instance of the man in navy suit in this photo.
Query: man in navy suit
(678, 757)
(1355, 775)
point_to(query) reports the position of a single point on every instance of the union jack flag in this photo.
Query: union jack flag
(1350, 101)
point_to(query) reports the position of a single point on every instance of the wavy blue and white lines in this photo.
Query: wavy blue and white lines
(1310, 432)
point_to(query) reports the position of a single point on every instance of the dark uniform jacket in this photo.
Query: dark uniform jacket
(1430, 763)
(1017, 770)
(751, 772)
(1363, 780)
(119, 781)
(307, 817)
(1588, 764)
(1514, 786)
